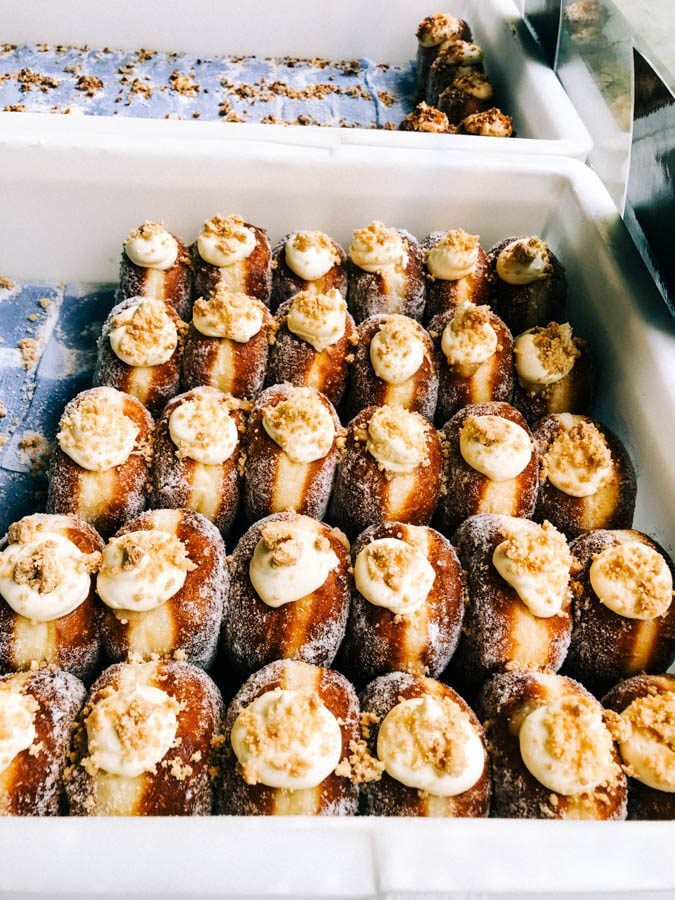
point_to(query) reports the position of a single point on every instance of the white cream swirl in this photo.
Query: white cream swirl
(377, 248)
(202, 428)
(633, 580)
(225, 240)
(17, 723)
(309, 254)
(495, 447)
(95, 432)
(397, 349)
(454, 255)
(301, 425)
(523, 261)
(144, 334)
(151, 247)
(318, 319)
(392, 574)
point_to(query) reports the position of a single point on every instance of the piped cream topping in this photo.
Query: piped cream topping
(523, 261)
(633, 580)
(301, 425)
(225, 240)
(228, 314)
(393, 574)
(435, 29)
(377, 248)
(286, 739)
(429, 743)
(494, 446)
(151, 246)
(535, 560)
(457, 52)
(95, 433)
(131, 730)
(578, 461)
(45, 578)
(469, 338)
(397, 439)
(488, 123)
(454, 255)
(566, 745)
(141, 570)
(474, 83)
(290, 561)
(310, 254)
(318, 319)
(144, 334)
(203, 429)
(647, 746)
(397, 349)
(545, 355)
(17, 722)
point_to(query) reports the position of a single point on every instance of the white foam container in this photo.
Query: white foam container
(66, 207)
(383, 30)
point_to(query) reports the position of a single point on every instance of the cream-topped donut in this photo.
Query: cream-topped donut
(151, 246)
(469, 338)
(310, 254)
(488, 123)
(225, 240)
(376, 248)
(144, 334)
(426, 119)
(545, 355)
(397, 350)
(474, 83)
(300, 425)
(95, 432)
(317, 318)
(202, 427)
(228, 314)
(523, 261)
(633, 580)
(397, 439)
(495, 447)
(390, 573)
(578, 461)
(454, 57)
(434, 30)
(310, 261)
(459, 52)
(453, 256)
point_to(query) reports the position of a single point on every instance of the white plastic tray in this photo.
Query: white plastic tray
(383, 30)
(65, 210)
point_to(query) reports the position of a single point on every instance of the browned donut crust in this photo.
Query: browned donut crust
(366, 495)
(257, 279)
(469, 492)
(523, 306)
(574, 393)
(378, 641)
(370, 294)
(611, 507)
(336, 795)
(455, 28)
(286, 284)
(389, 797)
(500, 633)
(104, 499)
(445, 296)
(274, 482)
(443, 71)
(181, 783)
(212, 490)
(32, 784)
(644, 802)
(517, 794)
(232, 367)
(460, 386)
(187, 625)
(71, 642)
(605, 646)
(152, 385)
(173, 284)
(293, 361)
(457, 104)
(418, 393)
(310, 629)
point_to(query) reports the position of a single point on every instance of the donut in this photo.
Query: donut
(307, 261)
(527, 285)
(289, 593)
(491, 464)
(426, 119)
(385, 273)
(199, 457)
(454, 58)
(455, 269)
(292, 451)
(555, 372)
(645, 708)
(432, 32)
(37, 710)
(163, 585)
(469, 92)
(156, 264)
(139, 351)
(394, 364)
(518, 614)
(101, 464)
(624, 617)
(289, 734)
(587, 477)
(407, 603)
(431, 746)
(227, 344)
(475, 358)
(390, 470)
(145, 742)
(232, 253)
(48, 613)
(551, 752)
(313, 343)
(489, 123)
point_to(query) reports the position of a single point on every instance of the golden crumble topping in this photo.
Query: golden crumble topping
(360, 766)
(654, 716)
(570, 739)
(146, 231)
(486, 430)
(459, 241)
(280, 538)
(374, 235)
(438, 739)
(557, 347)
(427, 118)
(95, 417)
(315, 307)
(227, 232)
(24, 531)
(537, 549)
(204, 412)
(634, 564)
(155, 550)
(43, 572)
(147, 329)
(582, 447)
(436, 28)
(229, 312)
(489, 123)
(470, 321)
(395, 431)
(305, 241)
(294, 417)
(472, 80)
(389, 563)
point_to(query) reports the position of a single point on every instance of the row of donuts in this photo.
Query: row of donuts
(154, 739)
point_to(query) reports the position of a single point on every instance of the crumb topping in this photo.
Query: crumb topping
(489, 431)
(556, 346)
(397, 438)
(281, 540)
(435, 29)
(582, 447)
(389, 562)
(301, 425)
(375, 235)
(439, 740)
(152, 550)
(641, 571)
(144, 333)
(489, 123)
(532, 551)
(42, 571)
(229, 233)
(95, 426)
(654, 715)
(228, 314)
(570, 741)
(306, 241)
(427, 119)
(146, 231)
(360, 766)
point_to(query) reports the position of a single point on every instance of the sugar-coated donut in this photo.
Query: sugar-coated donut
(432, 32)
(307, 260)
(455, 57)
(231, 253)
(456, 271)
(426, 119)
(469, 93)
(156, 264)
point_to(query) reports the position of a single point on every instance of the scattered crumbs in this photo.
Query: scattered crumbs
(29, 79)
(34, 450)
(33, 317)
(89, 84)
(386, 98)
(3, 439)
(29, 350)
(141, 88)
(183, 84)
(45, 302)
(6, 283)
(14, 107)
